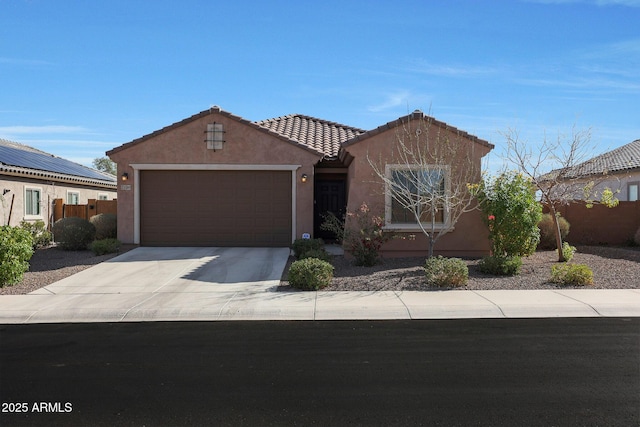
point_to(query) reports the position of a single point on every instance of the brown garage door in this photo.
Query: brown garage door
(215, 208)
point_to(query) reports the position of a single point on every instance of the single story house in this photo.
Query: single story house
(618, 170)
(31, 179)
(217, 179)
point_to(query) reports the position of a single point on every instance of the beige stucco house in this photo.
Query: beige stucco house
(31, 179)
(216, 179)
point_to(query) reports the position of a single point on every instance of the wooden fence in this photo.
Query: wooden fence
(93, 207)
(601, 225)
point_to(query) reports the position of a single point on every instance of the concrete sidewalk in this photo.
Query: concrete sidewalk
(211, 284)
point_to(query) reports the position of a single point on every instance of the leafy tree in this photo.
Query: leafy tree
(512, 213)
(105, 164)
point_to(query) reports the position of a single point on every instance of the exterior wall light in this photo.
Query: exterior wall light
(125, 176)
(304, 177)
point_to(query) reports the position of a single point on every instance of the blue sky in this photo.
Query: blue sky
(78, 78)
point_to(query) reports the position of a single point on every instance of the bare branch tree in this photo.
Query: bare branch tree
(560, 172)
(427, 181)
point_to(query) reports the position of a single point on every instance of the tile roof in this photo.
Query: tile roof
(22, 160)
(321, 135)
(621, 159)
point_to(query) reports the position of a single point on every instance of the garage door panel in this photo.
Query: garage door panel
(215, 208)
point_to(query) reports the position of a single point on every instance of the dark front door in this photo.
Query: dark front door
(330, 196)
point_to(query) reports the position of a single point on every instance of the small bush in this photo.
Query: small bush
(16, 249)
(300, 246)
(40, 235)
(106, 225)
(568, 251)
(440, 271)
(571, 274)
(310, 274)
(501, 265)
(105, 246)
(73, 234)
(321, 254)
(547, 231)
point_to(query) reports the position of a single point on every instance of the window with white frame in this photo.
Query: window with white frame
(73, 198)
(103, 196)
(632, 192)
(416, 191)
(32, 198)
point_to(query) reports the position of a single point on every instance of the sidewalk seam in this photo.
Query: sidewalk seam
(581, 302)
(226, 304)
(136, 305)
(398, 295)
(487, 299)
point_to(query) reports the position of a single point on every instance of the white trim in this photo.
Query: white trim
(69, 192)
(24, 203)
(137, 167)
(214, 167)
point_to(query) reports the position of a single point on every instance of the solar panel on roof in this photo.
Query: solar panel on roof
(28, 159)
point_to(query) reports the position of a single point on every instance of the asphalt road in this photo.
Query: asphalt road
(546, 372)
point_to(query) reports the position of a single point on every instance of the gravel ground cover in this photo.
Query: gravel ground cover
(613, 268)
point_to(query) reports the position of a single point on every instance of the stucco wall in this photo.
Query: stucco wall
(185, 145)
(49, 191)
(469, 237)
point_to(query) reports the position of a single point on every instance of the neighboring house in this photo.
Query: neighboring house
(618, 170)
(216, 179)
(30, 180)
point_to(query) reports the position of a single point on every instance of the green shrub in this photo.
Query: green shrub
(440, 271)
(106, 225)
(571, 274)
(501, 265)
(16, 249)
(512, 213)
(105, 246)
(568, 251)
(548, 233)
(300, 246)
(310, 274)
(321, 254)
(41, 236)
(73, 234)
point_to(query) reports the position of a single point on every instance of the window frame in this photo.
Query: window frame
(71, 193)
(30, 215)
(414, 226)
(103, 196)
(633, 184)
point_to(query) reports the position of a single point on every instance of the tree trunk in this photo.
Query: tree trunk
(556, 228)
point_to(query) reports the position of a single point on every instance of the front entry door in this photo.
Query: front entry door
(330, 196)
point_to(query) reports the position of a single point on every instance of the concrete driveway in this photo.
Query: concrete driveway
(154, 284)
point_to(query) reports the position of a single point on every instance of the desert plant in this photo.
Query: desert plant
(73, 234)
(568, 251)
(501, 265)
(106, 225)
(571, 274)
(512, 213)
(310, 274)
(440, 271)
(301, 246)
(40, 235)
(363, 235)
(16, 249)
(105, 246)
(547, 231)
(321, 254)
